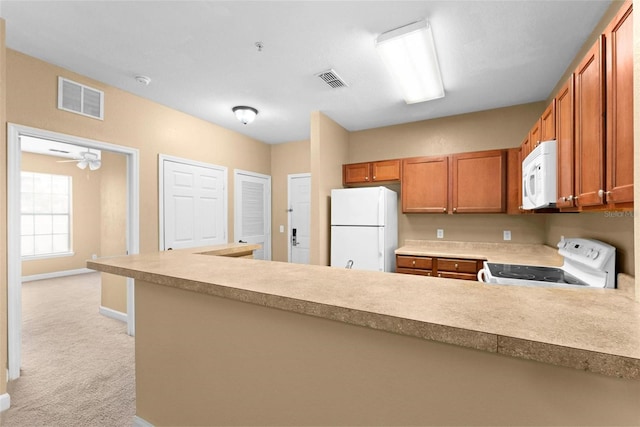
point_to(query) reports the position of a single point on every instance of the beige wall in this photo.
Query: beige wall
(636, 144)
(85, 214)
(113, 226)
(329, 151)
(134, 122)
(3, 206)
(484, 130)
(286, 159)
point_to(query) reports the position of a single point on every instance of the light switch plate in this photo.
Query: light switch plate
(282, 228)
(506, 235)
(440, 233)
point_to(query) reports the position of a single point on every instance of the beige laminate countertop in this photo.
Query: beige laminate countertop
(509, 253)
(596, 330)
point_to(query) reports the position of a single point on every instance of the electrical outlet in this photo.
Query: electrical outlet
(506, 235)
(282, 228)
(94, 256)
(440, 233)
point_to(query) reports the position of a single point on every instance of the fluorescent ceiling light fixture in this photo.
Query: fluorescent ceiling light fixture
(245, 114)
(410, 55)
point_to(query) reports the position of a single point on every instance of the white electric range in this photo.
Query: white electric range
(588, 263)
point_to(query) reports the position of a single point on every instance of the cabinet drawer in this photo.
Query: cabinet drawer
(459, 276)
(414, 262)
(413, 271)
(457, 265)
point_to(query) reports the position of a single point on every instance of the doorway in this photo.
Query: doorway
(252, 211)
(299, 189)
(14, 265)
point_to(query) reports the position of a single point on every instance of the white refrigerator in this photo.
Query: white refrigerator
(364, 228)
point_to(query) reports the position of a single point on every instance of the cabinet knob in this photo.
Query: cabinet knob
(439, 275)
(456, 265)
(413, 263)
(602, 193)
(455, 209)
(374, 177)
(428, 273)
(366, 178)
(570, 198)
(444, 209)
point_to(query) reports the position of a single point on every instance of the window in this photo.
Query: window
(45, 214)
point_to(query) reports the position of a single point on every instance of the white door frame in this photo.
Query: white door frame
(14, 264)
(161, 160)
(289, 178)
(236, 200)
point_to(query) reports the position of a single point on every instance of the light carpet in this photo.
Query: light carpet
(77, 365)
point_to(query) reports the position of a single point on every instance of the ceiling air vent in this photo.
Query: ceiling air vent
(78, 98)
(332, 78)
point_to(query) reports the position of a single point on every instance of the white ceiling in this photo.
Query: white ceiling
(202, 59)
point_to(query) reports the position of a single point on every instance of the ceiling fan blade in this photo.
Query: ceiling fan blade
(67, 161)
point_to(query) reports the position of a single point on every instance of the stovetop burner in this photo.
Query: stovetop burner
(534, 273)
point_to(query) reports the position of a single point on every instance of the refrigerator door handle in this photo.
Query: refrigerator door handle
(381, 248)
(381, 206)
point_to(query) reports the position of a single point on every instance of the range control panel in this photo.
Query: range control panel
(588, 252)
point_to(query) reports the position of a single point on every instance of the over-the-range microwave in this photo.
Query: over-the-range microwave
(540, 176)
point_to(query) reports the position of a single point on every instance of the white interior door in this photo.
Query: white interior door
(193, 204)
(252, 211)
(299, 186)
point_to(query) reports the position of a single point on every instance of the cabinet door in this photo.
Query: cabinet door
(479, 182)
(514, 182)
(564, 119)
(525, 147)
(356, 173)
(387, 170)
(425, 185)
(548, 122)
(619, 49)
(535, 135)
(589, 127)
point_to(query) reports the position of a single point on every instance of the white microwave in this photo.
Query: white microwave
(540, 177)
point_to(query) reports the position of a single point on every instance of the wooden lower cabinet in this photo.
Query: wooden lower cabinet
(450, 268)
(414, 265)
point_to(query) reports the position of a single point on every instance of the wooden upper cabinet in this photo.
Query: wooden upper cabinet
(386, 170)
(514, 181)
(535, 135)
(479, 182)
(525, 147)
(369, 172)
(356, 173)
(619, 83)
(548, 123)
(564, 120)
(425, 185)
(589, 128)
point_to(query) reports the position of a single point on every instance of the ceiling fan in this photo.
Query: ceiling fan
(87, 158)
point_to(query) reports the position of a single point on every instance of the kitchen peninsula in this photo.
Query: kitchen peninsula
(224, 341)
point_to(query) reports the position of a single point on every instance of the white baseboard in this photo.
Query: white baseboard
(139, 422)
(108, 312)
(56, 274)
(5, 402)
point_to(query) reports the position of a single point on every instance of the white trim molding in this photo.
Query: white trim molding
(139, 422)
(113, 314)
(14, 262)
(5, 402)
(56, 274)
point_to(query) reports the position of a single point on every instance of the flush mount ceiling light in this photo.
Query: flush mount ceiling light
(410, 55)
(245, 114)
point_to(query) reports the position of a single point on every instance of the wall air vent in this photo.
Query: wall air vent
(78, 98)
(332, 78)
